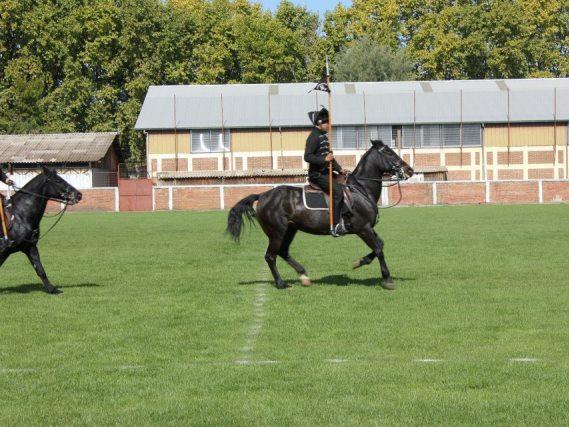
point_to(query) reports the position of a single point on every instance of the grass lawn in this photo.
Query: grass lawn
(163, 320)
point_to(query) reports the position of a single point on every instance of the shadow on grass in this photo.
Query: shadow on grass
(38, 287)
(337, 280)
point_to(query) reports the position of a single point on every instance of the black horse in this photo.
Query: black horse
(28, 207)
(281, 213)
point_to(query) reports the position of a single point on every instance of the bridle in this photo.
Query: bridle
(66, 202)
(397, 175)
(64, 199)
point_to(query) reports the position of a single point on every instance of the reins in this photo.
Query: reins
(58, 215)
(382, 181)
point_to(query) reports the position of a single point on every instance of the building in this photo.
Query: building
(472, 130)
(85, 160)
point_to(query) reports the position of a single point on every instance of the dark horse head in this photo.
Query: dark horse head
(380, 161)
(53, 187)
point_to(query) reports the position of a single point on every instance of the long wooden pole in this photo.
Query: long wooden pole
(509, 128)
(555, 171)
(222, 135)
(175, 137)
(271, 135)
(366, 134)
(330, 138)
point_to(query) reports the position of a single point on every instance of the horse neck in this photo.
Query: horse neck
(366, 169)
(30, 204)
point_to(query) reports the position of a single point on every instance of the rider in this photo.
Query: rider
(318, 155)
(4, 178)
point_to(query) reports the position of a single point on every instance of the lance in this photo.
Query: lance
(330, 137)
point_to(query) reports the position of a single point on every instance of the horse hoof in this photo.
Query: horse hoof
(390, 286)
(54, 291)
(357, 264)
(283, 285)
(305, 280)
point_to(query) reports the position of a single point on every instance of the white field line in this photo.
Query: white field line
(18, 370)
(257, 323)
(245, 361)
(428, 360)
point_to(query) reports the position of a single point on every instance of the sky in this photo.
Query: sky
(319, 6)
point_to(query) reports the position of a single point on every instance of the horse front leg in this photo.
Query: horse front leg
(370, 237)
(34, 256)
(364, 261)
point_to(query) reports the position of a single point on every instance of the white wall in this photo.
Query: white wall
(78, 178)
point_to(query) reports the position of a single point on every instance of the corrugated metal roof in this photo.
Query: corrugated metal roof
(55, 148)
(286, 105)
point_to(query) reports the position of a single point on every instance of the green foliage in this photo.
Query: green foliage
(365, 60)
(79, 65)
(463, 39)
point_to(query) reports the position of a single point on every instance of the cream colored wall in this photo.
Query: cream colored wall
(165, 142)
(248, 141)
(524, 135)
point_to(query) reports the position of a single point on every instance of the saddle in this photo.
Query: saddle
(315, 198)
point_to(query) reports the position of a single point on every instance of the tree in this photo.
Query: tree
(366, 60)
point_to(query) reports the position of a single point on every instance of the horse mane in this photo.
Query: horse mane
(362, 161)
(29, 186)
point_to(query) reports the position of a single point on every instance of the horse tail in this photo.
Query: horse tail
(243, 208)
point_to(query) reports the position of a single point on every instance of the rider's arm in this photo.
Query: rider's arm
(3, 176)
(336, 166)
(310, 151)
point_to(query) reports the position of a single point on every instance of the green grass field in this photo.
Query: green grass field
(163, 320)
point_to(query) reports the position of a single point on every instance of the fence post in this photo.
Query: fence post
(117, 199)
(487, 198)
(540, 191)
(170, 198)
(385, 197)
(434, 193)
(221, 197)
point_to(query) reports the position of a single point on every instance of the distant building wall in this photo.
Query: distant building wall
(515, 152)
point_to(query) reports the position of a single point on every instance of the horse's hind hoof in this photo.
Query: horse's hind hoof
(54, 291)
(305, 280)
(357, 264)
(390, 286)
(283, 285)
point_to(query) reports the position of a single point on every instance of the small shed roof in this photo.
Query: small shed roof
(264, 105)
(56, 147)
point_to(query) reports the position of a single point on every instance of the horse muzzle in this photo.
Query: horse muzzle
(72, 198)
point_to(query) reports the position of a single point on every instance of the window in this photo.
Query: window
(210, 141)
(434, 136)
(358, 137)
(345, 138)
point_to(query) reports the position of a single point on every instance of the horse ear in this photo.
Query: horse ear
(377, 143)
(47, 170)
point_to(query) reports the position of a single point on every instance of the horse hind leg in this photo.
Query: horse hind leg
(271, 258)
(365, 260)
(284, 254)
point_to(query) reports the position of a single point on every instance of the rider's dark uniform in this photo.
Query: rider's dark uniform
(317, 147)
(3, 176)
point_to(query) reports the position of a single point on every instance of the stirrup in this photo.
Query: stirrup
(339, 230)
